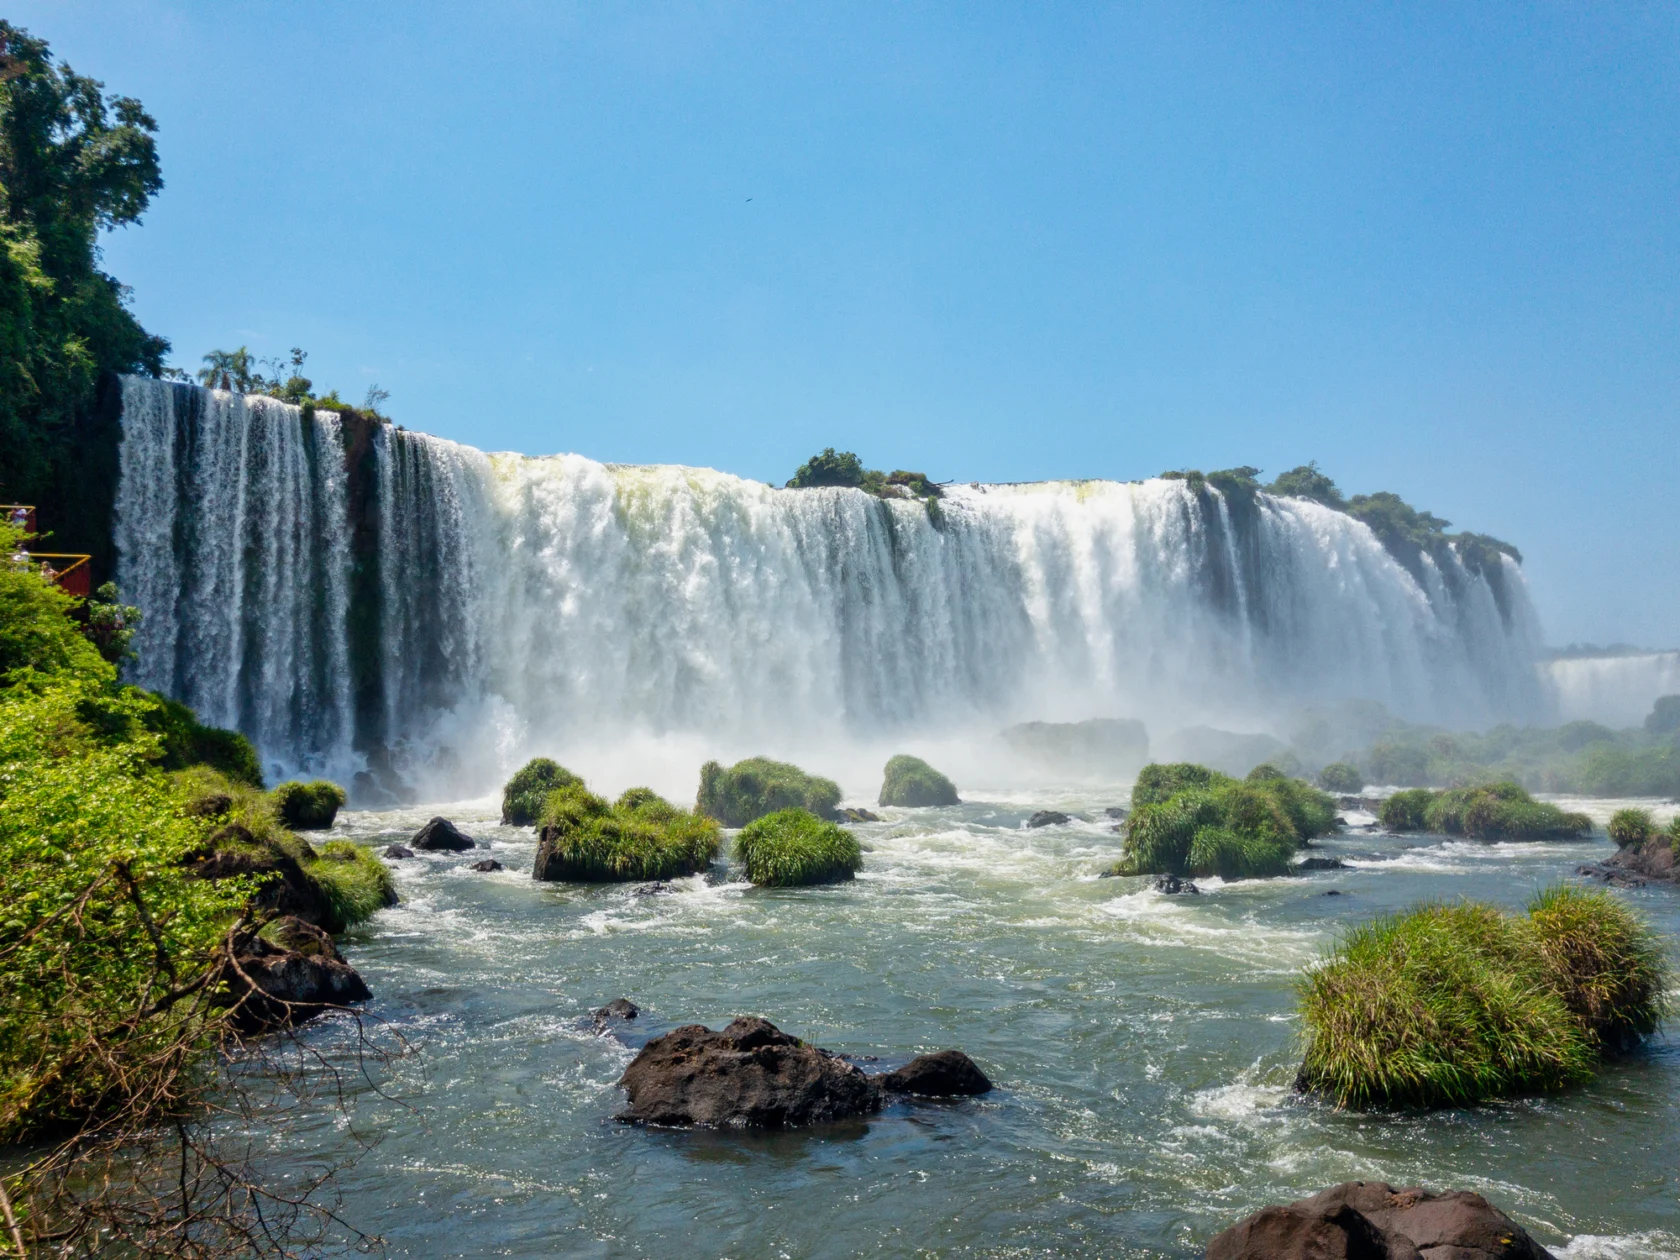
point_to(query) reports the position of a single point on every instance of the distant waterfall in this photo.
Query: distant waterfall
(559, 598)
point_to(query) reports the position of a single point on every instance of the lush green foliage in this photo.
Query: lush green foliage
(639, 836)
(187, 742)
(829, 468)
(36, 630)
(308, 806)
(1307, 482)
(794, 847)
(1630, 828)
(73, 162)
(524, 794)
(1406, 810)
(758, 786)
(1339, 776)
(911, 781)
(1664, 717)
(353, 881)
(1158, 781)
(1500, 811)
(1188, 820)
(1452, 1004)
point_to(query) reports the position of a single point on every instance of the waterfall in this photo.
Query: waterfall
(542, 601)
(1617, 690)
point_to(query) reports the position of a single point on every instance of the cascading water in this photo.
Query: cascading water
(540, 601)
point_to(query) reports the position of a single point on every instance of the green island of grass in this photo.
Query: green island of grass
(1189, 820)
(910, 781)
(1447, 1005)
(793, 847)
(758, 786)
(640, 836)
(524, 794)
(1488, 811)
(308, 806)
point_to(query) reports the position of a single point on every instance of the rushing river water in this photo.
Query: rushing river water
(1144, 1047)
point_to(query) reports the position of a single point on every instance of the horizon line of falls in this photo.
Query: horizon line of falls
(332, 592)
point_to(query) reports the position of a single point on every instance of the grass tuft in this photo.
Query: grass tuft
(794, 847)
(910, 781)
(640, 836)
(1406, 810)
(308, 806)
(353, 882)
(524, 795)
(1630, 828)
(1160, 781)
(1604, 960)
(1213, 825)
(758, 786)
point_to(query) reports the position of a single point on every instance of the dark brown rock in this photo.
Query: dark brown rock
(441, 834)
(750, 1075)
(291, 974)
(488, 864)
(1048, 818)
(397, 852)
(1322, 864)
(1175, 886)
(1653, 859)
(942, 1074)
(1370, 1220)
(617, 1009)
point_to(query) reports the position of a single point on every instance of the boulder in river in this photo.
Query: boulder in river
(290, 973)
(488, 864)
(441, 834)
(750, 1075)
(1048, 818)
(1370, 1220)
(397, 852)
(617, 1010)
(942, 1074)
(1653, 858)
(1176, 885)
(1322, 864)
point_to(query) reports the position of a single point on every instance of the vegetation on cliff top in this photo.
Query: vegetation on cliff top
(1448, 1005)
(758, 786)
(587, 839)
(794, 847)
(910, 781)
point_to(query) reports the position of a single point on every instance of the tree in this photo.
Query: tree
(1307, 482)
(830, 468)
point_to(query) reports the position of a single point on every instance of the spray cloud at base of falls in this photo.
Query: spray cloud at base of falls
(334, 587)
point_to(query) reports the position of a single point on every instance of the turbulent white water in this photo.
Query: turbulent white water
(541, 602)
(1615, 690)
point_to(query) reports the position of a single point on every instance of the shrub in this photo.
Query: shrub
(353, 882)
(1239, 855)
(308, 806)
(830, 468)
(1339, 776)
(1630, 828)
(186, 742)
(1405, 810)
(640, 836)
(1605, 962)
(1399, 764)
(794, 847)
(1500, 811)
(1448, 1005)
(1159, 834)
(1221, 827)
(524, 794)
(911, 781)
(1311, 812)
(758, 786)
(1158, 781)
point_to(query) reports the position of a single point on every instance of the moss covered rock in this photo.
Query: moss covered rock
(1189, 820)
(910, 781)
(1447, 1005)
(641, 836)
(308, 806)
(758, 786)
(794, 847)
(524, 794)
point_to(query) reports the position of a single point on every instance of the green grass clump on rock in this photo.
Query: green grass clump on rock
(911, 781)
(1501, 811)
(640, 836)
(308, 806)
(1405, 810)
(1338, 776)
(524, 794)
(794, 847)
(758, 786)
(1210, 824)
(1630, 828)
(353, 882)
(1447, 1005)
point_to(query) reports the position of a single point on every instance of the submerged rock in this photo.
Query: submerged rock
(441, 835)
(488, 864)
(1116, 811)
(1653, 859)
(290, 974)
(618, 1008)
(1048, 818)
(942, 1074)
(1322, 864)
(397, 852)
(750, 1075)
(1370, 1220)
(860, 815)
(1176, 885)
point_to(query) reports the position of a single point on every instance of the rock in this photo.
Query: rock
(1174, 885)
(618, 1008)
(943, 1074)
(286, 890)
(1322, 864)
(860, 815)
(658, 888)
(1654, 859)
(397, 852)
(489, 864)
(750, 1075)
(441, 834)
(1612, 875)
(1369, 1220)
(1334, 892)
(1116, 811)
(1048, 818)
(292, 974)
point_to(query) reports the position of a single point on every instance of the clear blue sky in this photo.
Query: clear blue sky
(1435, 247)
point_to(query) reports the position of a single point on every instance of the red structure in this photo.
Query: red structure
(73, 573)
